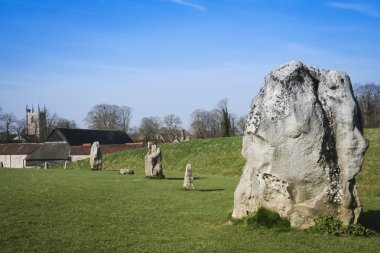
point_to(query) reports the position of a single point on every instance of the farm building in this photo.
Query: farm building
(50, 152)
(76, 137)
(74, 144)
(13, 155)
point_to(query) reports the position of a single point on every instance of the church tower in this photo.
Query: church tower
(36, 123)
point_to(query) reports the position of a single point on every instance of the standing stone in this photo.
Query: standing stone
(188, 182)
(65, 166)
(96, 156)
(46, 166)
(153, 162)
(303, 146)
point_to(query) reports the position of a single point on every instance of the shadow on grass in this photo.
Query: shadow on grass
(181, 178)
(371, 220)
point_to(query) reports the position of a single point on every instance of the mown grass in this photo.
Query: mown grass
(79, 210)
(368, 182)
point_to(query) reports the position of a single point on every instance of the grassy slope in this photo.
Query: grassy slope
(83, 210)
(220, 156)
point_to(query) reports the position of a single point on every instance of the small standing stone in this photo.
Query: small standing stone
(65, 166)
(188, 182)
(46, 166)
(127, 171)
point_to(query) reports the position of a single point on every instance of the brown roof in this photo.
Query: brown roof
(18, 148)
(51, 151)
(106, 149)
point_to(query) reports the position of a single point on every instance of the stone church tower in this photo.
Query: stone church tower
(36, 123)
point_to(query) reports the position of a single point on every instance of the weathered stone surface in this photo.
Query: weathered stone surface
(127, 171)
(188, 182)
(153, 162)
(303, 146)
(96, 156)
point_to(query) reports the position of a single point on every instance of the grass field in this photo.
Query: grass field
(79, 210)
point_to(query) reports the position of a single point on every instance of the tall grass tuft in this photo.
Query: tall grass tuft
(333, 226)
(268, 219)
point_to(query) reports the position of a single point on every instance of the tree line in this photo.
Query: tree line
(205, 124)
(217, 122)
(368, 98)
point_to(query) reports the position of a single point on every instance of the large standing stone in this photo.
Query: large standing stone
(153, 162)
(96, 156)
(304, 145)
(188, 182)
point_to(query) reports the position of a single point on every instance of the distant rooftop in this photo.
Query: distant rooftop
(75, 137)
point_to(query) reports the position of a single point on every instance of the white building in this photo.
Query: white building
(13, 155)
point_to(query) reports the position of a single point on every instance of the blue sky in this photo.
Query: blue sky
(165, 57)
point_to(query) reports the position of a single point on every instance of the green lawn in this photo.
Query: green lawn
(79, 210)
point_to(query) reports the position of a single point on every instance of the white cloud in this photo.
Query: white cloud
(189, 4)
(361, 8)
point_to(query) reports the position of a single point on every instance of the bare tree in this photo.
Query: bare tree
(205, 124)
(112, 117)
(51, 121)
(65, 123)
(125, 116)
(134, 133)
(19, 128)
(8, 121)
(213, 123)
(241, 124)
(54, 121)
(198, 125)
(368, 98)
(172, 125)
(10, 125)
(150, 128)
(234, 124)
(218, 122)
